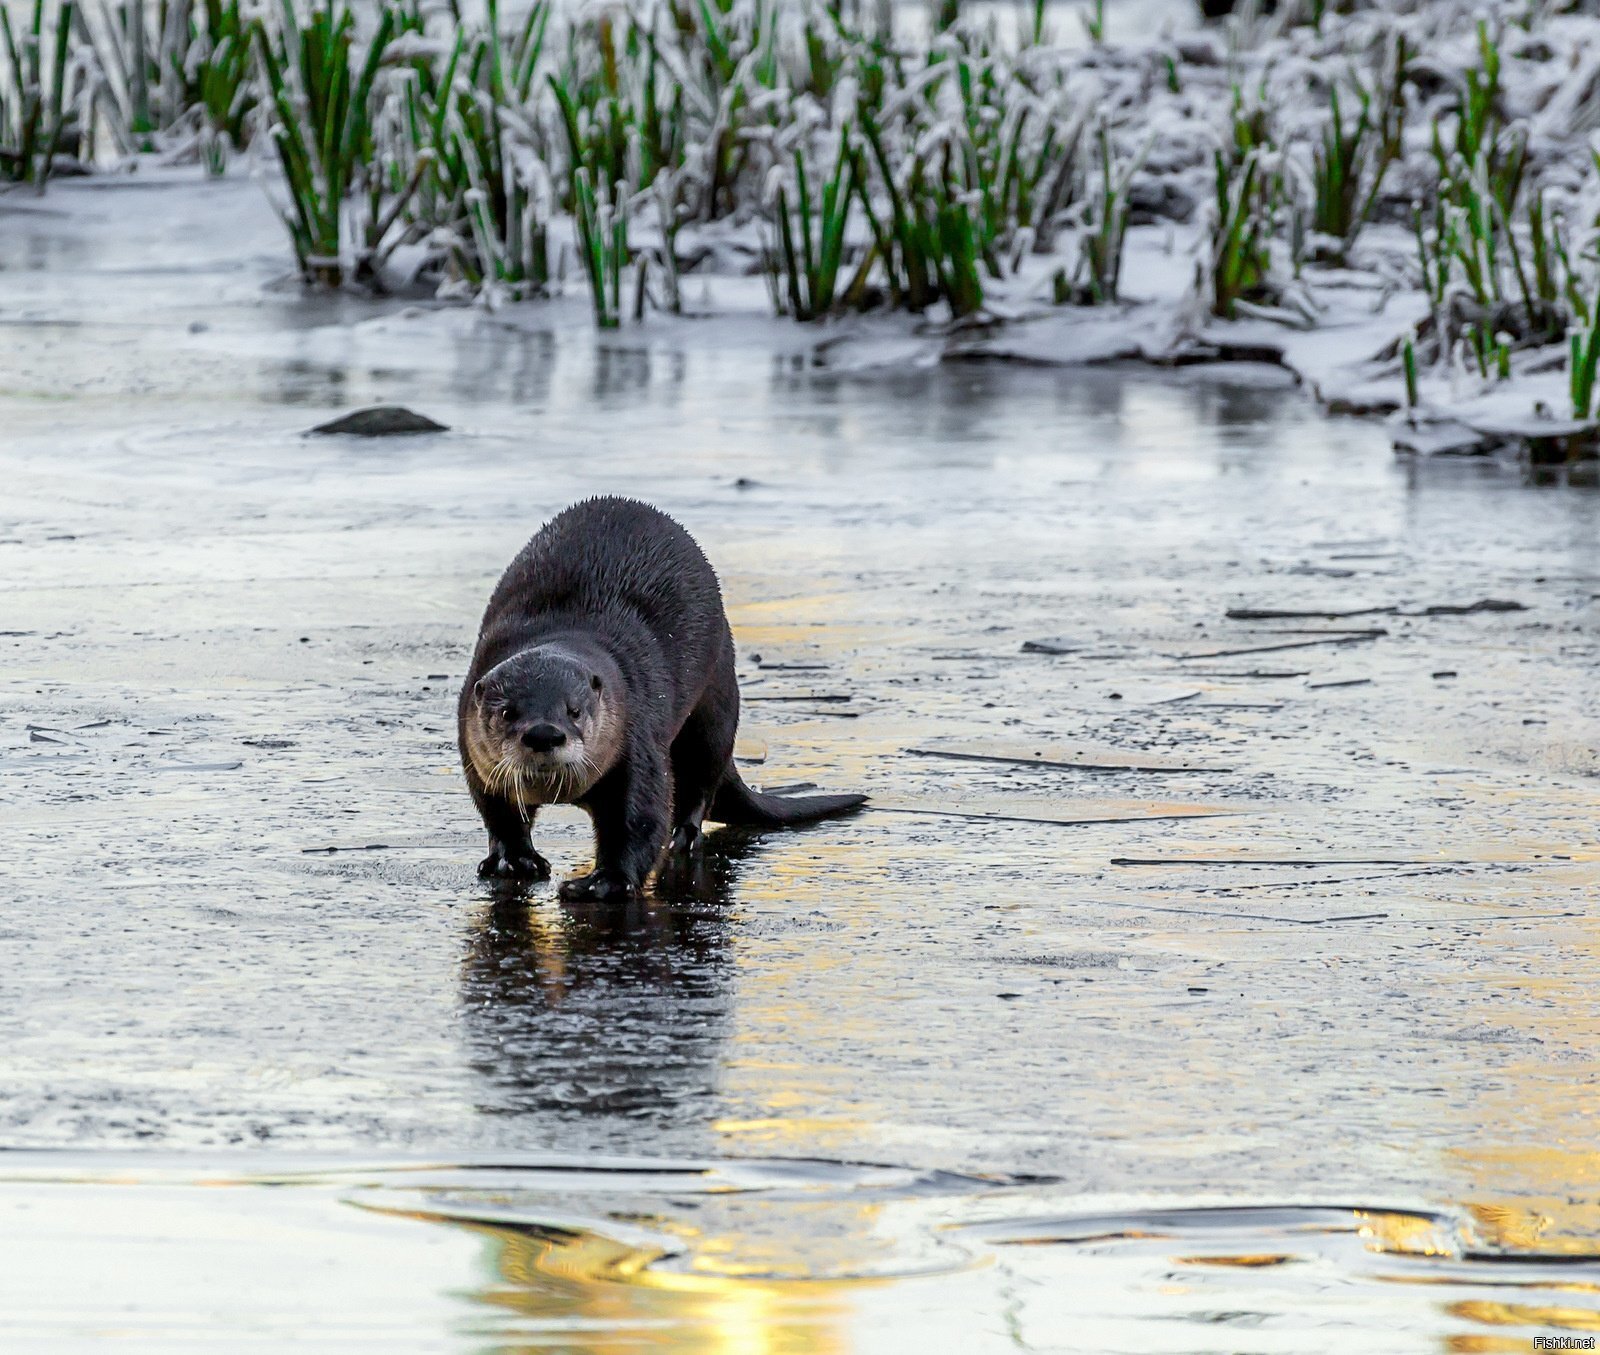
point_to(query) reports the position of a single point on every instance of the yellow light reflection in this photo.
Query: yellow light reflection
(1526, 1315)
(1251, 1262)
(603, 1296)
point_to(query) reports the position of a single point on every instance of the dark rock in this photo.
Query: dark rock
(381, 421)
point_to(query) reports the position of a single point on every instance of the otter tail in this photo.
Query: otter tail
(739, 806)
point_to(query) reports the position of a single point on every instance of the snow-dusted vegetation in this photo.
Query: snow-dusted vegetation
(1399, 203)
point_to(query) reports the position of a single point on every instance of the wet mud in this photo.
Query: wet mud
(1158, 911)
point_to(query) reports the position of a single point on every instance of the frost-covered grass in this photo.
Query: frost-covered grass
(491, 200)
(1435, 154)
(810, 229)
(1351, 157)
(35, 88)
(323, 85)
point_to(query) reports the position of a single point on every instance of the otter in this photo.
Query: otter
(603, 677)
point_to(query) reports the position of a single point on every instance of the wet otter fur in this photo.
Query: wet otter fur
(603, 677)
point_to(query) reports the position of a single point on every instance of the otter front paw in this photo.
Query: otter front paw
(504, 864)
(600, 884)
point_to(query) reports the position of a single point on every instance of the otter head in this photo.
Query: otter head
(545, 724)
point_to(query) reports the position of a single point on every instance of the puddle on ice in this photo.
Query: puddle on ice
(163, 1252)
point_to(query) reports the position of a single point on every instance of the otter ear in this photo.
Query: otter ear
(477, 689)
(594, 681)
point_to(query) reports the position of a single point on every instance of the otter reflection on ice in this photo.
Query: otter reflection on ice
(598, 1010)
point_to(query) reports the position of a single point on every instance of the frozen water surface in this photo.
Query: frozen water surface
(1259, 1015)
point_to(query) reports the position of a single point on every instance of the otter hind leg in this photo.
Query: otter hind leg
(701, 756)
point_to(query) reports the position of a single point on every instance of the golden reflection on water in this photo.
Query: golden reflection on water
(1526, 1315)
(1400, 1234)
(1532, 1183)
(1533, 1186)
(603, 1296)
(1257, 1261)
(1551, 1203)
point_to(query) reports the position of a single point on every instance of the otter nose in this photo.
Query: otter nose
(542, 738)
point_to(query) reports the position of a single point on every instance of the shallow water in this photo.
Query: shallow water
(1299, 933)
(739, 1255)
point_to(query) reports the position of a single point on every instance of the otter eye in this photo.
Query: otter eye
(573, 712)
(508, 712)
(595, 682)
